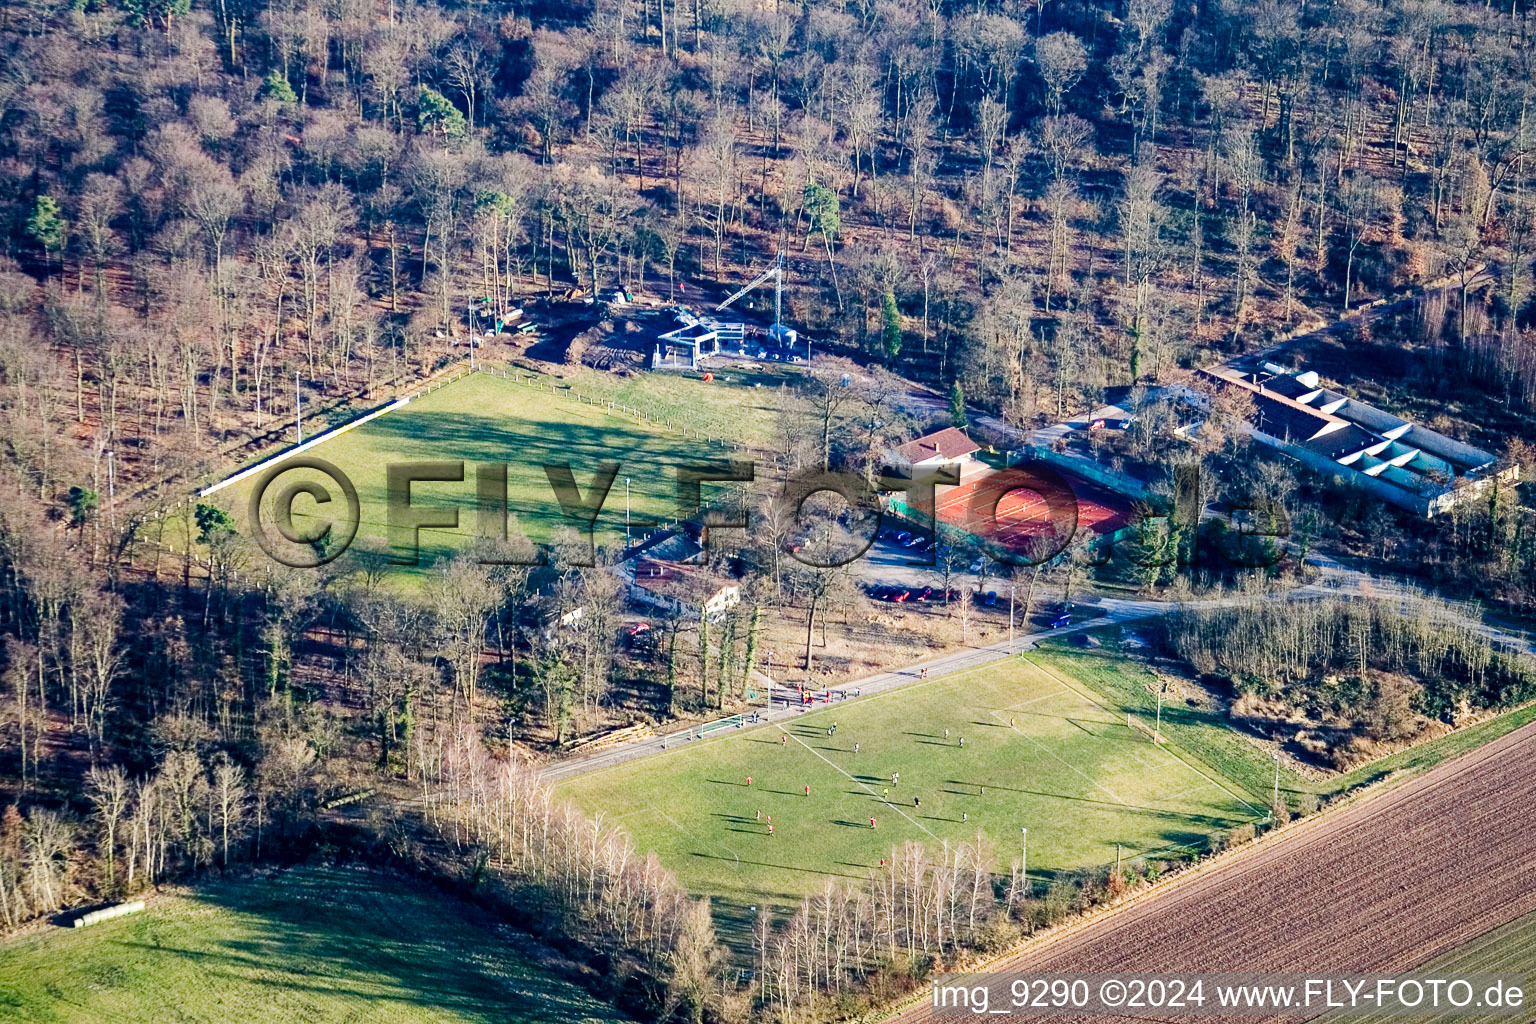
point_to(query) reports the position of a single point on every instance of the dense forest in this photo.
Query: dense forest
(214, 211)
(1055, 197)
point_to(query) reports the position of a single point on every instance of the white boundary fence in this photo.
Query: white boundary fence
(516, 376)
(302, 447)
(326, 435)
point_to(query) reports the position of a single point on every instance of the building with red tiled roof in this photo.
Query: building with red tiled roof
(948, 449)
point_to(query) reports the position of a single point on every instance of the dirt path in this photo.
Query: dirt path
(1380, 887)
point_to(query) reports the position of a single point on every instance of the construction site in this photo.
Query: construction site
(700, 336)
(627, 333)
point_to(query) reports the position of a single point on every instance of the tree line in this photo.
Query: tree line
(1038, 202)
(1381, 668)
(846, 946)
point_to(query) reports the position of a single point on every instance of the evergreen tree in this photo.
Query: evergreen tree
(275, 87)
(147, 12)
(212, 521)
(83, 503)
(754, 633)
(47, 226)
(672, 671)
(957, 415)
(822, 206)
(890, 335)
(727, 649)
(436, 115)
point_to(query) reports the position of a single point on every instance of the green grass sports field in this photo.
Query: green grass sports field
(741, 403)
(1038, 752)
(296, 947)
(1209, 736)
(483, 418)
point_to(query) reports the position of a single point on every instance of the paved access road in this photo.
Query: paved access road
(1334, 579)
(1115, 610)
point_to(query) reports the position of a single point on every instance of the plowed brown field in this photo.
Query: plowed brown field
(1380, 887)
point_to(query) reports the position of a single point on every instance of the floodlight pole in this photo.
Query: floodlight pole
(1274, 807)
(778, 291)
(1024, 860)
(298, 407)
(1157, 734)
(626, 512)
(1012, 587)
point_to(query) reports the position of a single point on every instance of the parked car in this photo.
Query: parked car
(1063, 619)
(976, 565)
(902, 537)
(639, 629)
(925, 593)
(901, 595)
(991, 599)
(952, 595)
(923, 544)
(880, 593)
(912, 541)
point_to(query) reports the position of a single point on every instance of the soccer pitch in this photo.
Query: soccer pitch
(1038, 753)
(483, 418)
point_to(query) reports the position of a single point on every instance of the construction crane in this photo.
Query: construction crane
(785, 336)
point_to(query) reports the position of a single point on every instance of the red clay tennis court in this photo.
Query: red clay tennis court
(1001, 507)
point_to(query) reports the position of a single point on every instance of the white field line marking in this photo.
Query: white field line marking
(860, 782)
(1203, 787)
(1134, 753)
(1015, 519)
(1091, 782)
(1064, 717)
(688, 831)
(1216, 782)
(1141, 758)
(1034, 700)
(999, 715)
